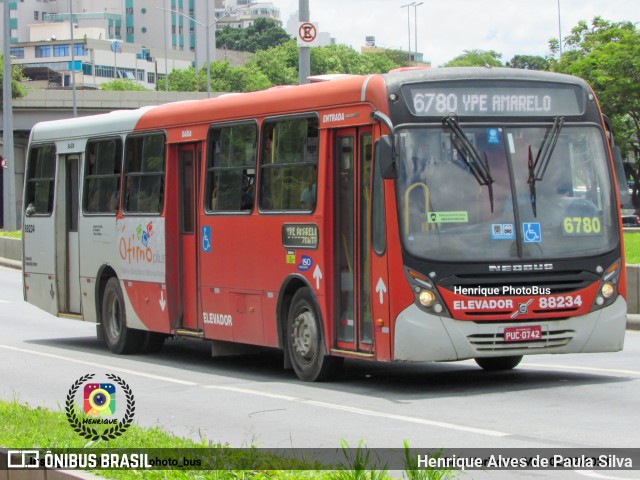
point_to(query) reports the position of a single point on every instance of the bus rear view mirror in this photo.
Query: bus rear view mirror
(621, 177)
(386, 160)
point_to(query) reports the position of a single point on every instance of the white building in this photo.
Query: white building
(181, 25)
(47, 58)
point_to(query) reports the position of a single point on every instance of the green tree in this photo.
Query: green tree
(263, 34)
(529, 62)
(607, 55)
(184, 80)
(476, 58)
(280, 64)
(17, 90)
(122, 85)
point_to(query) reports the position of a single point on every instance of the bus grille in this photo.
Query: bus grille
(494, 342)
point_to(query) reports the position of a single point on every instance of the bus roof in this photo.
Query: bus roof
(479, 73)
(274, 101)
(92, 125)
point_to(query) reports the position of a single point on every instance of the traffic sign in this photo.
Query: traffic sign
(308, 34)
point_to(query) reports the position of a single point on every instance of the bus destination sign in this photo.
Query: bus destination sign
(300, 235)
(500, 100)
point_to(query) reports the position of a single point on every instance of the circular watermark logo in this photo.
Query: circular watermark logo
(100, 416)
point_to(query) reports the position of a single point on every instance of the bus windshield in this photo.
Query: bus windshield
(565, 209)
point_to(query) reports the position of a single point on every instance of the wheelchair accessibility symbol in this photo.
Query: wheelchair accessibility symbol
(206, 239)
(531, 233)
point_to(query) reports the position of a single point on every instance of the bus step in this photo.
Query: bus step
(182, 332)
(72, 316)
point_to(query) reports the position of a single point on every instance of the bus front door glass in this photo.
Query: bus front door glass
(354, 325)
(72, 267)
(448, 214)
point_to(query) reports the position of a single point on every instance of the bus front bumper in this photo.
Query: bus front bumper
(421, 337)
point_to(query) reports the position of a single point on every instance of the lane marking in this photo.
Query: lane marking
(585, 369)
(592, 474)
(362, 411)
(100, 365)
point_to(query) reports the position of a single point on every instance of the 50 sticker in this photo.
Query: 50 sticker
(581, 226)
(560, 301)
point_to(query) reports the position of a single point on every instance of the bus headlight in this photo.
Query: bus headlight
(608, 285)
(426, 298)
(607, 290)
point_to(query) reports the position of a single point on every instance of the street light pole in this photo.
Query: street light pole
(9, 177)
(409, 26)
(207, 26)
(73, 64)
(415, 19)
(208, 47)
(559, 30)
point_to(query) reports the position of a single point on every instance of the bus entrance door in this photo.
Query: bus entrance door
(67, 246)
(353, 315)
(188, 164)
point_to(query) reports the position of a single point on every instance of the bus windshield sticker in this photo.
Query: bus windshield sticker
(531, 232)
(484, 100)
(502, 231)
(448, 217)
(300, 235)
(493, 137)
(581, 226)
(291, 257)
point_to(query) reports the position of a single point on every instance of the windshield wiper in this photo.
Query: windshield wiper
(538, 167)
(479, 168)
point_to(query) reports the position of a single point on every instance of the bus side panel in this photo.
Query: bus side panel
(402, 295)
(98, 247)
(237, 277)
(39, 260)
(142, 270)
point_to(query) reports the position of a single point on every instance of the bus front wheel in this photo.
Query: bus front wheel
(494, 364)
(305, 344)
(119, 338)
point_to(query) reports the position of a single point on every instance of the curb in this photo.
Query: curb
(7, 262)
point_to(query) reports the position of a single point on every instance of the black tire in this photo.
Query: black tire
(304, 340)
(153, 342)
(494, 364)
(119, 338)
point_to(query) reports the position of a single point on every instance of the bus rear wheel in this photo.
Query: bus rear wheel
(305, 344)
(119, 338)
(495, 364)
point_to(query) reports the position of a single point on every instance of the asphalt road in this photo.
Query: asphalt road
(547, 402)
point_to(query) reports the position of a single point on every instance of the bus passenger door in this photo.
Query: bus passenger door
(68, 247)
(353, 306)
(188, 164)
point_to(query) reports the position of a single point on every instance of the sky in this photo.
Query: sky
(448, 27)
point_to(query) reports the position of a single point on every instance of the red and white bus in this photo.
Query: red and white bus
(422, 215)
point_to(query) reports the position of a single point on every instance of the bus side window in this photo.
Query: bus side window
(288, 170)
(103, 161)
(144, 173)
(40, 180)
(231, 168)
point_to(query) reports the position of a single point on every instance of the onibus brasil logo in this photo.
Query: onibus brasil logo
(100, 410)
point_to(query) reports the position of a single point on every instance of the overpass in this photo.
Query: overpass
(43, 105)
